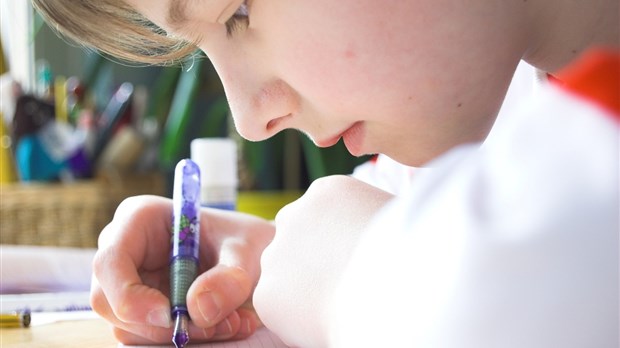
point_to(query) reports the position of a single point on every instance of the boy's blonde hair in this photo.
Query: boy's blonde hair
(114, 28)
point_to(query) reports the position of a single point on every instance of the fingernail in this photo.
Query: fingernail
(159, 317)
(223, 329)
(245, 328)
(209, 332)
(209, 306)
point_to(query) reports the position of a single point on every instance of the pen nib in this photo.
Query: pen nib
(180, 336)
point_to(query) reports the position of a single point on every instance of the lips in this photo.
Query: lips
(328, 142)
(353, 139)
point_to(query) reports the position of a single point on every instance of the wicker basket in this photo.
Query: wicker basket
(67, 214)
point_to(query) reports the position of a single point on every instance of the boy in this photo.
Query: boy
(454, 260)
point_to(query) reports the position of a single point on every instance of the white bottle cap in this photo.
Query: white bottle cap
(217, 160)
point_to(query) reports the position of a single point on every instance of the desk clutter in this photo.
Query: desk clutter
(70, 151)
(67, 214)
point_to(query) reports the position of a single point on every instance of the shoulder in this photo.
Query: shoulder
(516, 239)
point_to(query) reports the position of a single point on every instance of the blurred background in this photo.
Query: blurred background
(80, 132)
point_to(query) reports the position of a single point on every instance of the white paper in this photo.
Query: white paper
(28, 269)
(47, 308)
(46, 302)
(262, 338)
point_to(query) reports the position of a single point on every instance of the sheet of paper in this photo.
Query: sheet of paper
(30, 269)
(47, 308)
(262, 338)
(46, 302)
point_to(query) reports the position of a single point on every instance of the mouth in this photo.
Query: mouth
(353, 139)
(328, 142)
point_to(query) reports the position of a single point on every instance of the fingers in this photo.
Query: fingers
(249, 322)
(131, 277)
(230, 283)
(231, 328)
(124, 331)
(129, 299)
(135, 334)
(238, 324)
(122, 255)
(218, 292)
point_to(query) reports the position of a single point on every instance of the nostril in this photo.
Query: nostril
(275, 123)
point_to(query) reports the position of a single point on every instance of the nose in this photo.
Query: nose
(261, 105)
(263, 111)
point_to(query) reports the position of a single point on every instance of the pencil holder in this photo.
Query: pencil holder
(69, 215)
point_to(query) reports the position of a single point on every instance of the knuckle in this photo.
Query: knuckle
(98, 302)
(106, 236)
(139, 207)
(130, 206)
(100, 262)
(123, 308)
(240, 281)
(123, 336)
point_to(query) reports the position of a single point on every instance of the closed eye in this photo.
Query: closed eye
(238, 21)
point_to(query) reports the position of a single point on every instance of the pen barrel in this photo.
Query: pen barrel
(185, 233)
(186, 210)
(182, 274)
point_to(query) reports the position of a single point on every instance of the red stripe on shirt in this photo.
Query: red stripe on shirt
(595, 76)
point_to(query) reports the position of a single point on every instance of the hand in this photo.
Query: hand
(315, 237)
(131, 282)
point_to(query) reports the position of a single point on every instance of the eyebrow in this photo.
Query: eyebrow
(176, 12)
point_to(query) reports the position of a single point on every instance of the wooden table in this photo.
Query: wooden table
(91, 333)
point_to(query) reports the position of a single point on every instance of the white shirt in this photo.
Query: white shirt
(512, 244)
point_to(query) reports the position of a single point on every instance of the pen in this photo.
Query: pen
(185, 242)
(13, 320)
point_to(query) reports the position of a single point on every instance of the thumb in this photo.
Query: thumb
(217, 293)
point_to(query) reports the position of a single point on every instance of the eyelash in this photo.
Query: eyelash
(239, 20)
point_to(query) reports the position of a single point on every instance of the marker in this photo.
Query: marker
(185, 243)
(14, 320)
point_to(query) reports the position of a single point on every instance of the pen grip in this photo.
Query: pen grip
(182, 274)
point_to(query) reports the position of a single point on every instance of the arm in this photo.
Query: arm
(315, 236)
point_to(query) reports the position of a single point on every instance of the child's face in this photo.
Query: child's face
(409, 79)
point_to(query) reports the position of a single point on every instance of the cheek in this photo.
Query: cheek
(329, 81)
(330, 65)
(340, 79)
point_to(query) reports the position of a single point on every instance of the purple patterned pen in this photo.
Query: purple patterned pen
(185, 242)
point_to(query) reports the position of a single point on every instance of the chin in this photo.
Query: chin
(414, 159)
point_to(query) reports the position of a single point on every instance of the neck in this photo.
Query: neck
(563, 29)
